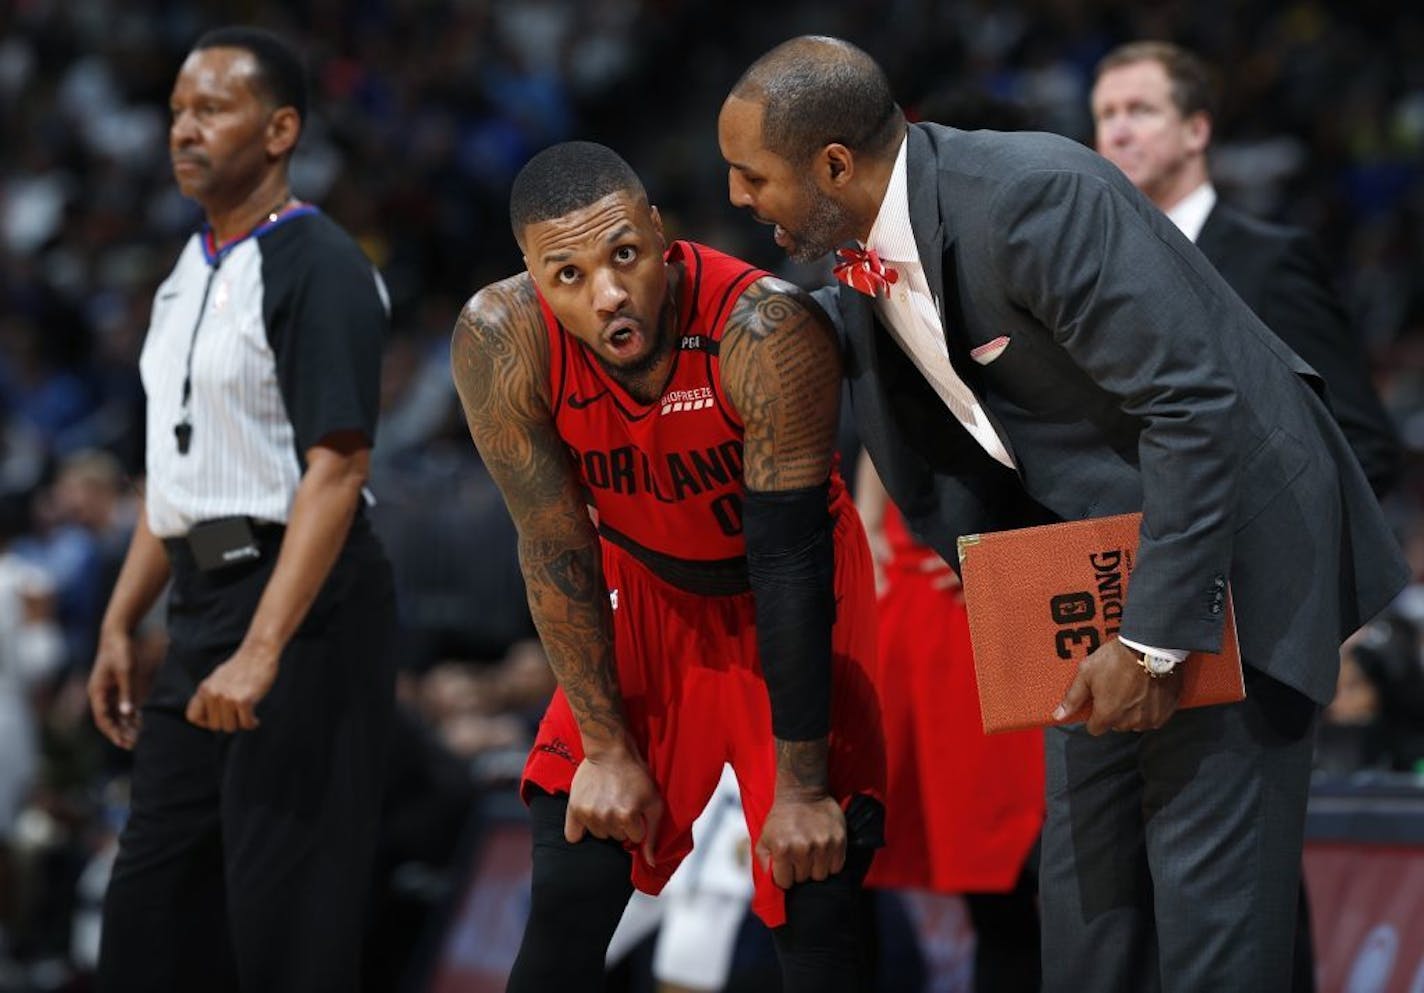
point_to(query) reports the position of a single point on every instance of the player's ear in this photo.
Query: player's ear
(657, 219)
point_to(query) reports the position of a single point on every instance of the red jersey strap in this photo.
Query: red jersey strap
(715, 282)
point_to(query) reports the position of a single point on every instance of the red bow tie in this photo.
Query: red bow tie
(861, 269)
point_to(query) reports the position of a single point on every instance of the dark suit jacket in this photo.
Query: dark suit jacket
(1119, 391)
(1281, 275)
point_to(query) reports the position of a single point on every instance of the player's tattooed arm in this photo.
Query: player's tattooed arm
(499, 359)
(781, 369)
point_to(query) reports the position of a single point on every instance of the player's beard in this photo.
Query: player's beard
(632, 375)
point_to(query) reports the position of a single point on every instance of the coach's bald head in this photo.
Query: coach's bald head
(817, 90)
(810, 134)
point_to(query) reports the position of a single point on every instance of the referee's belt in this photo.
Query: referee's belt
(225, 542)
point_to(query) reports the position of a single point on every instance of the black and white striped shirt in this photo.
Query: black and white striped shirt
(284, 328)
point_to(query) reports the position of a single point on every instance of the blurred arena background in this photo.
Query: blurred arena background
(423, 112)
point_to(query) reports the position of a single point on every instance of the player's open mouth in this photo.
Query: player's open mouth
(624, 336)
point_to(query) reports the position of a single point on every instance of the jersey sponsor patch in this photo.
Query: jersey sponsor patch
(680, 400)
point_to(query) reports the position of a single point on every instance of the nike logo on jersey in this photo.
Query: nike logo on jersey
(579, 403)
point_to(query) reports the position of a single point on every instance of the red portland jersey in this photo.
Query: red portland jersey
(664, 477)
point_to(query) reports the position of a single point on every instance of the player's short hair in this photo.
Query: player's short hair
(1193, 87)
(281, 76)
(567, 177)
(818, 91)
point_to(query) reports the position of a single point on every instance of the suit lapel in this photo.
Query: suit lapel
(935, 249)
(858, 319)
(1211, 239)
(923, 193)
(922, 188)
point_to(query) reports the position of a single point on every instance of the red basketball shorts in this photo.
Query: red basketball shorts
(962, 808)
(694, 698)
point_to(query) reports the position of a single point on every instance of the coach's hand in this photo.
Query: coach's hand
(613, 796)
(1123, 697)
(227, 700)
(803, 837)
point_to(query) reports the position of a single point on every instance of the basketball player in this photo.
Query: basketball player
(720, 609)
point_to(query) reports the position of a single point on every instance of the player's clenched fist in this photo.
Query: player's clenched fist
(803, 839)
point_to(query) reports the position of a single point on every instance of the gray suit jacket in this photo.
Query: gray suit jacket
(1119, 391)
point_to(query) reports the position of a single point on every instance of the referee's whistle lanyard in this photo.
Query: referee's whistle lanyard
(183, 430)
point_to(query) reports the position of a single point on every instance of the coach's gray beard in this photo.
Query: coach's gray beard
(823, 229)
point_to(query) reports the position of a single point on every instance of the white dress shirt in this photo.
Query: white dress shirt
(1190, 212)
(912, 315)
(909, 311)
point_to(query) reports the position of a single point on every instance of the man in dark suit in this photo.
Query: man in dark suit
(1152, 111)
(1028, 339)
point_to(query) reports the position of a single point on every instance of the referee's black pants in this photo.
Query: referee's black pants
(246, 860)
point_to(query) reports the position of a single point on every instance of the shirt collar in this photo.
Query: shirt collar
(1190, 212)
(891, 236)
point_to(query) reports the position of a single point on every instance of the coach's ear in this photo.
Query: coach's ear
(834, 167)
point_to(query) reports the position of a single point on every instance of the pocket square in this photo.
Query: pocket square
(990, 350)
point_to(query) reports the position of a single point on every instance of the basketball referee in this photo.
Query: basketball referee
(258, 741)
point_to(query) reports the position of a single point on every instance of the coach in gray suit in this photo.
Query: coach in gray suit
(1045, 345)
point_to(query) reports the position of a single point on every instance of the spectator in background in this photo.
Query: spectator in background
(1152, 108)
(90, 493)
(70, 556)
(31, 650)
(1376, 720)
(477, 709)
(83, 524)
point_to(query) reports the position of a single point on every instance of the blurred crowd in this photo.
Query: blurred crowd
(423, 111)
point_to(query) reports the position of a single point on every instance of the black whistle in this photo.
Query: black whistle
(184, 433)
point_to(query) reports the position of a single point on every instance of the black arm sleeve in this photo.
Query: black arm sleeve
(791, 564)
